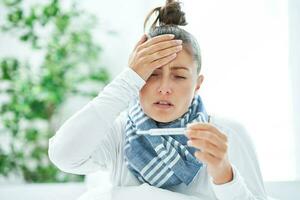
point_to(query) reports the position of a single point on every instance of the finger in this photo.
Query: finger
(157, 39)
(208, 136)
(163, 61)
(207, 126)
(207, 158)
(162, 45)
(163, 53)
(206, 146)
(141, 41)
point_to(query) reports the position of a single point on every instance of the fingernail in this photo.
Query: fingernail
(186, 133)
(179, 41)
(189, 143)
(171, 36)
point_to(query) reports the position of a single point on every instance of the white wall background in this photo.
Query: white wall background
(294, 68)
(245, 48)
(245, 56)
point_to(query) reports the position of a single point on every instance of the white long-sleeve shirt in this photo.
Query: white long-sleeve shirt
(93, 139)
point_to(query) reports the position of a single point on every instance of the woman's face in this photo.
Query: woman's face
(169, 91)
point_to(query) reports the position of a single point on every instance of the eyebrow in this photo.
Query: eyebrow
(177, 68)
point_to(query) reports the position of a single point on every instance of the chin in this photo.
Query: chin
(163, 119)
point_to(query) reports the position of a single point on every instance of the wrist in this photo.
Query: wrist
(144, 75)
(226, 177)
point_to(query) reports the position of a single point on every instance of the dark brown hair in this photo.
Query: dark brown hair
(170, 17)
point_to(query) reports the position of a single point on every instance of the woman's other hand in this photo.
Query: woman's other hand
(213, 145)
(150, 54)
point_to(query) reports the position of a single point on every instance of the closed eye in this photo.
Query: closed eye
(180, 77)
(177, 77)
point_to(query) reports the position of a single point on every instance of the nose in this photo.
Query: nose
(164, 87)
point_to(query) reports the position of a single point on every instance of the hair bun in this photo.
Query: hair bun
(171, 14)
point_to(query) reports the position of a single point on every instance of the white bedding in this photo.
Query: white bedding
(142, 192)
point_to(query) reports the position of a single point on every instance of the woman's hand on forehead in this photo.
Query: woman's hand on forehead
(158, 39)
(150, 54)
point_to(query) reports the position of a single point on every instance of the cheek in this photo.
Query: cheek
(185, 93)
(145, 90)
(145, 94)
(185, 87)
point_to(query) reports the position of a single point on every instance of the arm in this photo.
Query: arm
(88, 140)
(90, 130)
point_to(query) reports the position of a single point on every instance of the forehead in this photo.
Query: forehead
(183, 62)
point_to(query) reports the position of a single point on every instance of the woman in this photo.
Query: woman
(159, 89)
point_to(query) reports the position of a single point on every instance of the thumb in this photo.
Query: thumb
(141, 41)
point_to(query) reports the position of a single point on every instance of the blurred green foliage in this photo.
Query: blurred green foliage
(70, 58)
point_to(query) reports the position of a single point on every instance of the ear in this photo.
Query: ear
(198, 83)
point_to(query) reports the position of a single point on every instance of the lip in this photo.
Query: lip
(156, 103)
(163, 106)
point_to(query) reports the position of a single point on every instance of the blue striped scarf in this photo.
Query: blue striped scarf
(162, 161)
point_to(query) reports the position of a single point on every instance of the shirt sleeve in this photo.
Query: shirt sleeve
(87, 141)
(247, 183)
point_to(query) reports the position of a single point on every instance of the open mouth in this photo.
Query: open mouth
(163, 104)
